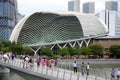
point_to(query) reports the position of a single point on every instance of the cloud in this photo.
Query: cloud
(30, 6)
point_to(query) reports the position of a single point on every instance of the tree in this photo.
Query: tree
(5, 46)
(115, 50)
(27, 50)
(16, 48)
(85, 51)
(46, 51)
(73, 51)
(97, 49)
(6, 49)
(63, 51)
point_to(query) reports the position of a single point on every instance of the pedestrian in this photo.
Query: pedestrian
(82, 68)
(30, 62)
(87, 68)
(43, 62)
(12, 56)
(38, 61)
(52, 63)
(113, 74)
(118, 74)
(75, 67)
(49, 63)
(56, 62)
(26, 62)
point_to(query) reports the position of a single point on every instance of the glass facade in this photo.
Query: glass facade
(43, 28)
(77, 5)
(50, 28)
(89, 7)
(111, 5)
(8, 18)
(71, 5)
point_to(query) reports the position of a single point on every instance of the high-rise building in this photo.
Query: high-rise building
(71, 5)
(8, 18)
(99, 5)
(111, 5)
(20, 16)
(112, 20)
(77, 5)
(89, 7)
(74, 5)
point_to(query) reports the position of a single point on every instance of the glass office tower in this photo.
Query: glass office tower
(111, 5)
(71, 6)
(8, 18)
(89, 7)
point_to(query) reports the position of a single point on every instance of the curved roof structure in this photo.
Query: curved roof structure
(42, 28)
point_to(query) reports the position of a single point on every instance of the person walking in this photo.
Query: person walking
(30, 62)
(55, 62)
(113, 72)
(87, 68)
(38, 60)
(75, 67)
(82, 68)
(52, 62)
(43, 62)
(118, 74)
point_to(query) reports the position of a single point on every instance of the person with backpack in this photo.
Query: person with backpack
(83, 68)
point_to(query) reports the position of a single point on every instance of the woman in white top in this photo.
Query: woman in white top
(75, 67)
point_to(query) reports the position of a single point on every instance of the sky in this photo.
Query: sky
(26, 7)
(30, 6)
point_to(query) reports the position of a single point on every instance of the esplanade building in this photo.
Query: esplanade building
(58, 28)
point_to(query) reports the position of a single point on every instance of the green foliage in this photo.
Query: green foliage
(26, 50)
(97, 49)
(5, 49)
(15, 47)
(63, 51)
(52, 56)
(115, 50)
(5, 46)
(85, 51)
(46, 51)
(73, 51)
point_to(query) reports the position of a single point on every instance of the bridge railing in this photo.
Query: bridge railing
(64, 72)
(95, 73)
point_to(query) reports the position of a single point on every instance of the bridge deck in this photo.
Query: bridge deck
(48, 73)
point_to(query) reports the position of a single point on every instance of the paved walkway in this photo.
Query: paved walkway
(56, 73)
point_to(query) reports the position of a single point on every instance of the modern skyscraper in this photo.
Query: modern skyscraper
(89, 7)
(8, 18)
(77, 5)
(112, 20)
(74, 5)
(20, 16)
(86, 6)
(71, 5)
(111, 5)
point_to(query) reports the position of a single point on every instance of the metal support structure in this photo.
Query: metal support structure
(59, 46)
(52, 47)
(35, 51)
(80, 44)
(87, 42)
(65, 45)
(72, 45)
